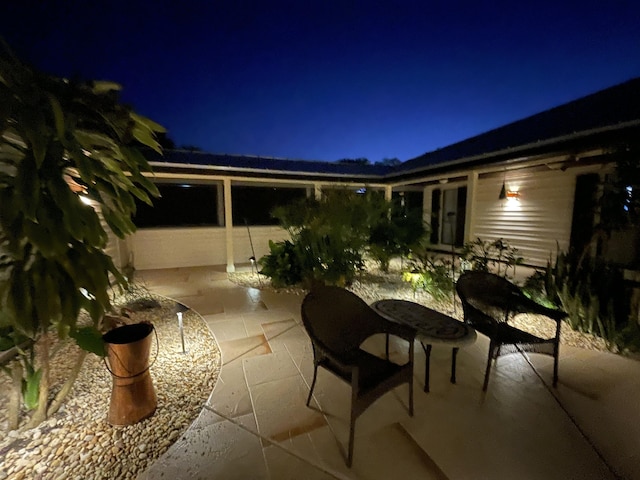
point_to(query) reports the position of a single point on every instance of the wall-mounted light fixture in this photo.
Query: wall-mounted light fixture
(512, 194)
(503, 192)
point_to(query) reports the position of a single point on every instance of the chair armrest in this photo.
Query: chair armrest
(535, 307)
(346, 360)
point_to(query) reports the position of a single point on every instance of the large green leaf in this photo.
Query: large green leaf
(148, 123)
(27, 186)
(31, 389)
(91, 140)
(103, 86)
(36, 132)
(58, 116)
(89, 339)
(136, 161)
(120, 225)
(146, 137)
(141, 195)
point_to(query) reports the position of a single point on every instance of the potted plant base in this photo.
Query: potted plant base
(133, 397)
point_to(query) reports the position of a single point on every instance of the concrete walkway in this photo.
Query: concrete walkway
(255, 424)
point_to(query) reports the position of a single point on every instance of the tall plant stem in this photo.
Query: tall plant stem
(16, 396)
(68, 385)
(40, 415)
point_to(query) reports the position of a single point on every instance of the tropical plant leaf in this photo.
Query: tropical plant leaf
(31, 389)
(27, 187)
(150, 124)
(89, 339)
(91, 140)
(101, 87)
(146, 137)
(36, 133)
(58, 116)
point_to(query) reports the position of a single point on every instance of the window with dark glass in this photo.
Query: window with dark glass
(408, 201)
(253, 205)
(180, 206)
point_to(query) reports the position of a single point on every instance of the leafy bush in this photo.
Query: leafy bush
(433, 274)
(593, 293)
(328, 238)
(395, 235)
(437, 274)
(534, 288)
(483, 256)
(281, 265)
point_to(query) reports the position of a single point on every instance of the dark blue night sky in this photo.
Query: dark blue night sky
(326, 80)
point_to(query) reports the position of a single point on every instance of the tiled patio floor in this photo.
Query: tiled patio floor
(256, 425)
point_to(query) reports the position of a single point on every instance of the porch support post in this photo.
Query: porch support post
(317, 190)
(221, 204)
(388, 190)
(228, 224)
(426, 205)
(469, 222)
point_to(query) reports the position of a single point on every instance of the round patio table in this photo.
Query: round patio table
(432, 328)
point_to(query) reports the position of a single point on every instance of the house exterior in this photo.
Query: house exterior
(550, 165)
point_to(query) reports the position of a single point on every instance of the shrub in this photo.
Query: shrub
(328, 238)
(395, 235)
(593, 293)
(434, 277)
(437, 274)
(433, 274)
(485, 255)
(281, 265)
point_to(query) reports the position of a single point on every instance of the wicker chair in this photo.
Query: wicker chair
(337, 322)
(489, 302)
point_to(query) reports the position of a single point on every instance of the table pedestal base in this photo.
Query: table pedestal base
(432, 327)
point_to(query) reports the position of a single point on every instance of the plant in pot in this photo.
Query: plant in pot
(61, 140)
(133, 397)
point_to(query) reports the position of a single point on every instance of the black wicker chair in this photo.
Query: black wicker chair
(337, 322)
(489, 302)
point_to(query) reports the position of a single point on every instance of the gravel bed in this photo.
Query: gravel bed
(78, 443)
(376, 285)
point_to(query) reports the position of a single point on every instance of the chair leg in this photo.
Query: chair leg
(411, 396)
(427, 364)
(313, 382)
(454, 354)
(355, 385)
(556, 355)
(386, 346)
(492, 347)
(352, 429)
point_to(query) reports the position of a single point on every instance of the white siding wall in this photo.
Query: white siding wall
(260, 237)
(540, 218)
(190, 247)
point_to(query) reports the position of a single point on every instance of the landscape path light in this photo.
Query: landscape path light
(180, 309)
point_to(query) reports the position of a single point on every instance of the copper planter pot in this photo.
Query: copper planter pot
(133, 397)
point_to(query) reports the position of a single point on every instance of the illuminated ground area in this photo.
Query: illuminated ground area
(77, 442)
(255, 424)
